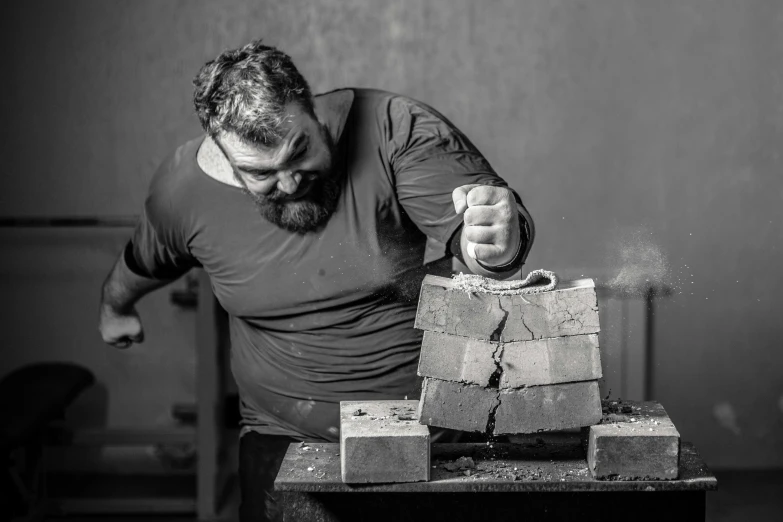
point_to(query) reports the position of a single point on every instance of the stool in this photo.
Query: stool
(30, 398)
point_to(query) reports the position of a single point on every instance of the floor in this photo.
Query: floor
(743, 496)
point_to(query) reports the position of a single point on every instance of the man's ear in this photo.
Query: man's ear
(331, 110)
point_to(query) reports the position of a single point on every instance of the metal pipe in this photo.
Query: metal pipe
(649, 342)
(69, 222)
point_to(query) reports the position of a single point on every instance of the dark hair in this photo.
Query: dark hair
(246, 90)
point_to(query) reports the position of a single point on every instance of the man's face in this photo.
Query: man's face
(291, 183)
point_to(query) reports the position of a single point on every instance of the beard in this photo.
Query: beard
(309, 212)
(306, 214)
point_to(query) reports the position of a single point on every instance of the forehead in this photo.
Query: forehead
(297, 128)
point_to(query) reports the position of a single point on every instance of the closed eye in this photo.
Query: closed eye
(260, 175)
(298, 155)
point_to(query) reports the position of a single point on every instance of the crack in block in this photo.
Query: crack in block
(490, 429)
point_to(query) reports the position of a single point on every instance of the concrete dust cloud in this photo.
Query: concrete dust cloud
(636, 262)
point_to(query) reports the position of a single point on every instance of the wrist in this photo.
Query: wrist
(517, 260)
(511, 265)
(113, 304)
(113, 310)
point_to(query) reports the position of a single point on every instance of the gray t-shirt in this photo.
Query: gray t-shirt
(328, 316)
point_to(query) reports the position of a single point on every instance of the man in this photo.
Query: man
(311, 216)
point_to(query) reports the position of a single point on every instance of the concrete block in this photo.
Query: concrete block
(383, 441)
(522, 363)
(571, 309)
(449, 404)
(635, 440)
(466, 407)
(551, 407)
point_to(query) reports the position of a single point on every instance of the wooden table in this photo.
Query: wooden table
(535, 481)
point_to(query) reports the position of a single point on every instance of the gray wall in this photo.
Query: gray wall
(646, 129)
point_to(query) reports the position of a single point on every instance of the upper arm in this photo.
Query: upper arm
(160, 241)
(429, 158)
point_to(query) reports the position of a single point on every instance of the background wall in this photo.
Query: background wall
(636, 131)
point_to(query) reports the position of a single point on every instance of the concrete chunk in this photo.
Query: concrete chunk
(454, 358)
(550, 361)
(571, 309)
(382, 441)
(523, 363)
(463, 407)
(551, 407)
(635, 440)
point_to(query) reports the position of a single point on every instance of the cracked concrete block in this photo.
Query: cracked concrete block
(523, 363)
(468, 407)
(383, 441)
(571, 309)
(457, 406)
(635, 440)
(550, 407)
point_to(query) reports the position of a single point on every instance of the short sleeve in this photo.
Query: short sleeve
(159, 247)
(429, 158)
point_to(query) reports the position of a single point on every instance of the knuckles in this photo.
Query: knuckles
(497, 214)
(483, 195)
(500, 199)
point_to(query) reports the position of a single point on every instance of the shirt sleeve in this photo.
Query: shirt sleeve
(430, 157)
(158, 247)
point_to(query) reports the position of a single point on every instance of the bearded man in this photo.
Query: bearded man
(312, 216)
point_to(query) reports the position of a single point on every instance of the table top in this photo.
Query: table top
(498, 467)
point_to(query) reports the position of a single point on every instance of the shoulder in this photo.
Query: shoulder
(398, 121)
(178, 167)
(172, 188)
(392, 106)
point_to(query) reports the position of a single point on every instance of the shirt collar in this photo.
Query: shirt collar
(332, 110)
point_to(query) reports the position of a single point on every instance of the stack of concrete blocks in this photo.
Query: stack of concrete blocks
(508, 364)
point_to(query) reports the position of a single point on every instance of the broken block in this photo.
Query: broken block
(550, 361)
(635, 440)
(382, 441)
(552, 407)
(457, 406)
(454, 358)
(522, 363)
(466, 407)
(570, 309)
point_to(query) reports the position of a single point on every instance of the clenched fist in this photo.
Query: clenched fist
(120, 329)
(491, 222)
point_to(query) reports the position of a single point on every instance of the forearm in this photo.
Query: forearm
(123, 288)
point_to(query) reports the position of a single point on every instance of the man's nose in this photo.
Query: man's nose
(288, 182)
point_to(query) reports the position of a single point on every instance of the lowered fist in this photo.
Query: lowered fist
(491, 220)
(120, 329)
